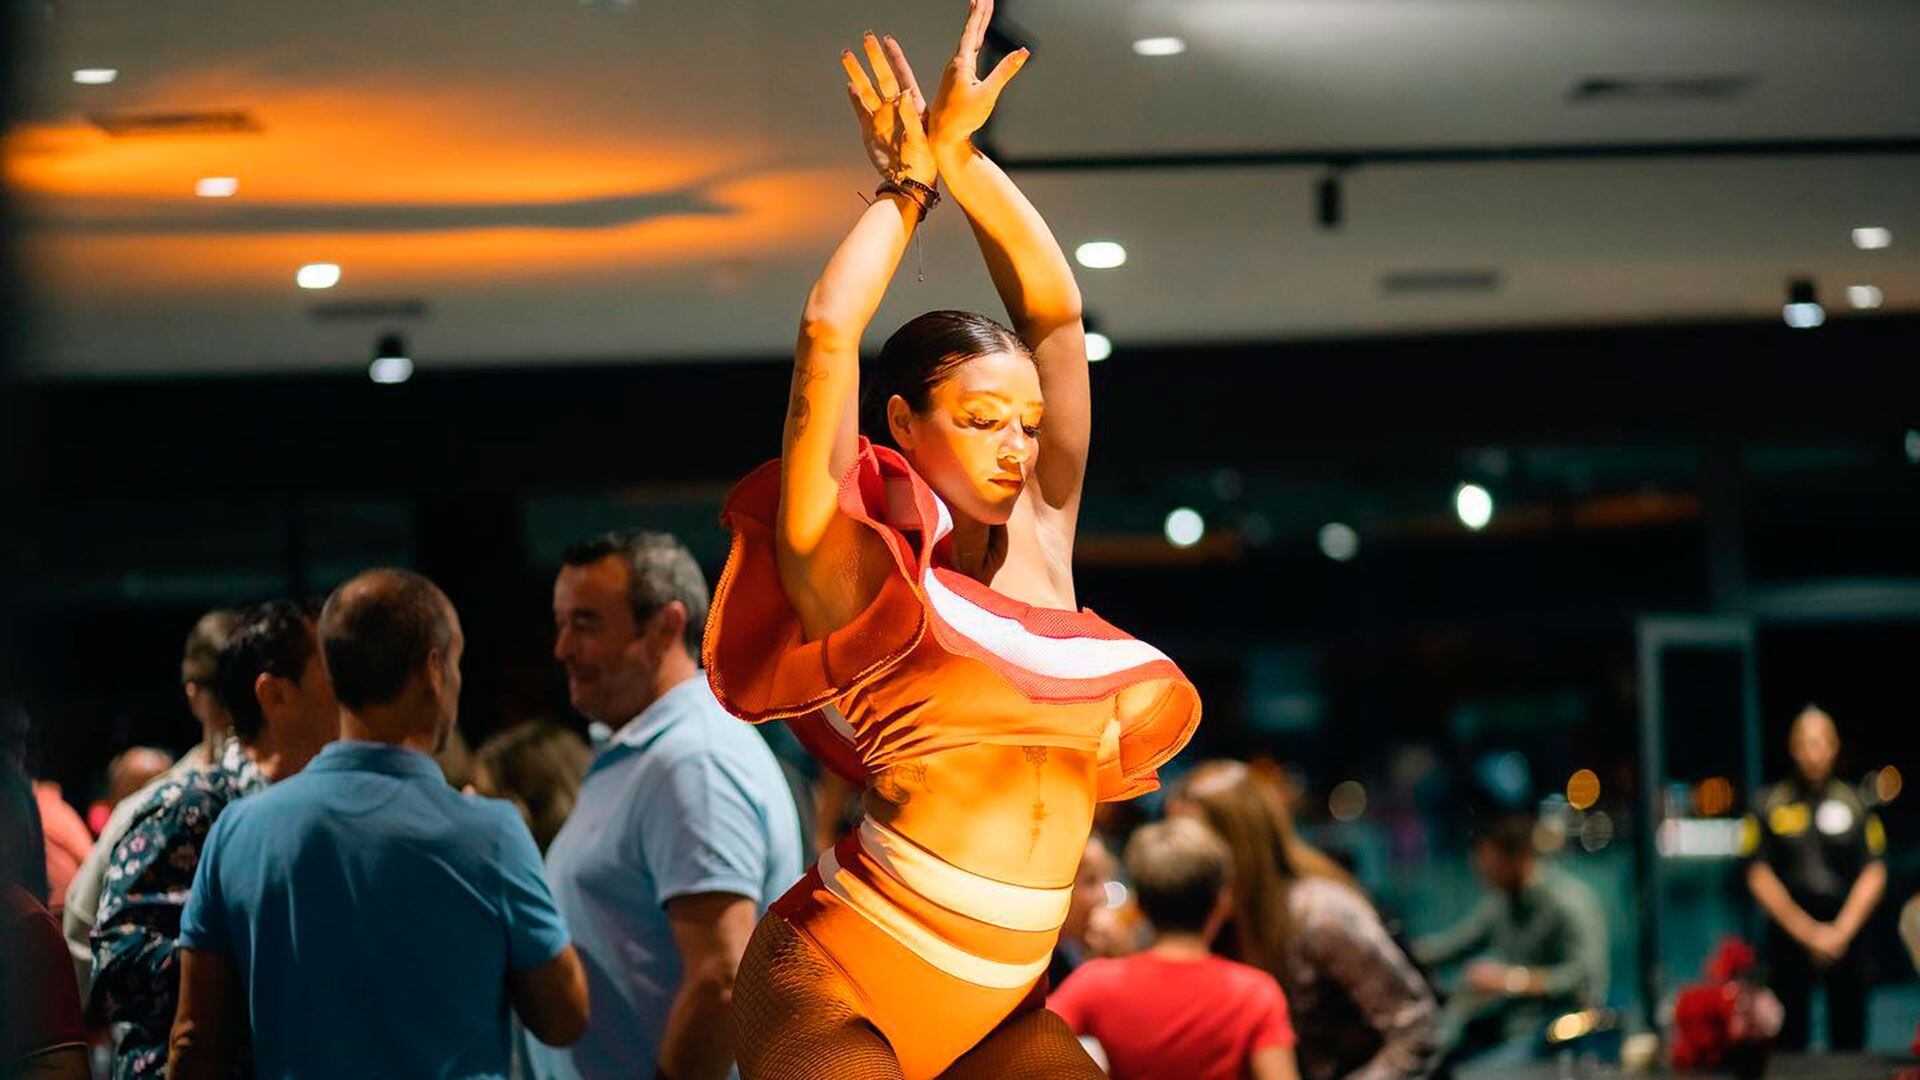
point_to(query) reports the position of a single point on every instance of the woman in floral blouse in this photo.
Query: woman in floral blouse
(1360, 1009)
(136, 977)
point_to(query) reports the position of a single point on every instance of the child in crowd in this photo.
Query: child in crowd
(1176, 1010)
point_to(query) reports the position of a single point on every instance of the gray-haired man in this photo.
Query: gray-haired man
(685, 829)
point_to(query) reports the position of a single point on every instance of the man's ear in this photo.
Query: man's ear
(1222, 911)
(667, 626)
(436, 671)
(271, 691)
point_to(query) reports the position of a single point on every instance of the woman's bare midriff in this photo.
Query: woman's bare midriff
(1019, 814)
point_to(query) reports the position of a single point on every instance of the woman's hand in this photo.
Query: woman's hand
(890, 115)
(965, 100)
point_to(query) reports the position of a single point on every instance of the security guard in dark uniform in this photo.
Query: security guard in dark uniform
(1816, 869)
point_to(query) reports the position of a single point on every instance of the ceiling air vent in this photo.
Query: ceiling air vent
(1627, 89)
(202, 122)
(351, 310)
(1418, 282)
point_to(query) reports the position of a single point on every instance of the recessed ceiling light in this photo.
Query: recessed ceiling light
(318, 276)
(216, 187)
(1872, 237)
(1865, 297)
(1100, 255)
(95, 76)
(1159, 46)
(1099, 346)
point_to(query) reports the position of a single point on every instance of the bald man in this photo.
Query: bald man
(378, 922)
(1816, 870)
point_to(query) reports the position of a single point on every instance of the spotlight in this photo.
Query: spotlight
(95, 76)
(1803, 310)
(1865, 297)
(390, 361)
(1474, 505)
(1872, 237)
(1327, 201)
(1159, 46)
(1185, 527)
(1101, 255)
(318, 276)
(1911, 444)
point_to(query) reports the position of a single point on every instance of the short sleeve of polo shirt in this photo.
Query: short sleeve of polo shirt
(535, 931)
(203, 923)
(698, 831)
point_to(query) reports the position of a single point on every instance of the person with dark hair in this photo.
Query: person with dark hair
(199, 674)
(1359, 1007)
(537, 766)
(364, 918)
(900, 591)
(273, 685)
(1817, 869)
(1540, 936)
(685, 829)
(1177, 1009)
(23, 847)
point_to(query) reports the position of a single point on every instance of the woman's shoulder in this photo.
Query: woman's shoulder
(1328, 904)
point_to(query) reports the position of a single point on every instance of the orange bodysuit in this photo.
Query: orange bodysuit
(984, 731)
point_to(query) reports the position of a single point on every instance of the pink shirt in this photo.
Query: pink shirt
(1184, 1018)
(68, 840)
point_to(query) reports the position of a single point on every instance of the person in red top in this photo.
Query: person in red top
(1176, 1010)
(41, 1035)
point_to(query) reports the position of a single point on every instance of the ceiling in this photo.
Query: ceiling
(559, 182)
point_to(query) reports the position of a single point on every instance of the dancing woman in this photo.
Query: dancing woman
(900, 592)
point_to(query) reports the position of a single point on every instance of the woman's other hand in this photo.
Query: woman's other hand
(965, 99)
(890, 116)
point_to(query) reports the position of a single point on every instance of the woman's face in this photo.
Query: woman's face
(1814, 743)
(977, 442)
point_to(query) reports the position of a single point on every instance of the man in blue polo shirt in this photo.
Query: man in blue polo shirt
(365, 918)
(685, 828)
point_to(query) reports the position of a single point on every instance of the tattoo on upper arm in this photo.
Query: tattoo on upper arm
(801, 410)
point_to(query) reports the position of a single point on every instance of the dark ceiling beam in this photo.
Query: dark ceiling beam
(1004, 36)
(1350, 157)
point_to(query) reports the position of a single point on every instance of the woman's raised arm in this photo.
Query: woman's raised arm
(814, 543)
(1029, 270)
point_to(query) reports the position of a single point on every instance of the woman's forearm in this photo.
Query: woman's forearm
(1029, 269)
(1775, 901)
(855, 280)
(1862, 898)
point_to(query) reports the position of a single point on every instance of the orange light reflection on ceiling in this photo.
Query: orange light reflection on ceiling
(761, 215)
(397, 146)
